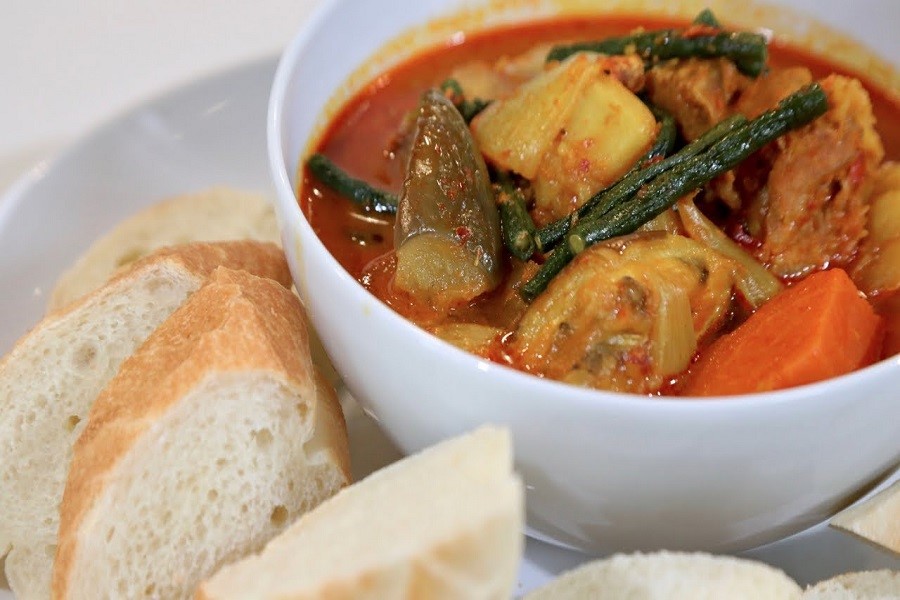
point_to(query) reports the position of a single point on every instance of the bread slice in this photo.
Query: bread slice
(49, 380)
(876, 520)
(212, 438)
(671, 576)
(216, 214)
(445, 523)
(865, 585)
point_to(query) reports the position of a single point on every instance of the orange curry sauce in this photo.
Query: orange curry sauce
(359, 141)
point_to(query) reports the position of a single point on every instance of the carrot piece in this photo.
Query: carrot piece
(819, 328)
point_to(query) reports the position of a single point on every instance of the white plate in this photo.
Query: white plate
(212, 132)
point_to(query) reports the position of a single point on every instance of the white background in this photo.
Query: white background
(66, 65)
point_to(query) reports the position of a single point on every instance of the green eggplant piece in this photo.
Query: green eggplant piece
(447, 232)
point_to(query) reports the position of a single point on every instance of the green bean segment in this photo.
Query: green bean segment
(516, 224)
(621, 191)
(664, 190)
(748, 51)
(469, 109)
(357, 190)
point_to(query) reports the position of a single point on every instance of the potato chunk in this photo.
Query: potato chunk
(877, 268)
(608, 131)
(572, 130)
(516, 133)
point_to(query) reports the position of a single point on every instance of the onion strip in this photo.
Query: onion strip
(754, 282)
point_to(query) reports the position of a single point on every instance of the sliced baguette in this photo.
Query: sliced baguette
(51, 377)
(212, 438)
(876, 520)
(671, 576)
(865, 585)
(445, 523)
(216, 214)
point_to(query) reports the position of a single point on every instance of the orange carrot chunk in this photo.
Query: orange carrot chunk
(819, 328)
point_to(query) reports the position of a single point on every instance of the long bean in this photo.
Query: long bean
(604, 201)
(357, 190)
(747, 50)
(469, 109)
(708, 18)
(516, 225)
(659, 194)
(665, 139)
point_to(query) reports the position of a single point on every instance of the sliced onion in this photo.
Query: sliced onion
(755, 283)
(674, 340)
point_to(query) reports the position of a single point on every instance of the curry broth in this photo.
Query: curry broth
(361, 136)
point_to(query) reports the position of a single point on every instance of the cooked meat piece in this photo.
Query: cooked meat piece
(766, 91)
(498, 80)
(811, 212)
(698, 92)
(628, 69)
(760, 95)
(491, 81)
(626, 314)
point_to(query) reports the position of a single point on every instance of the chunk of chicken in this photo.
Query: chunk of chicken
(811, 211)
(627, 314)
(492, 81)
(767, 90)
(498, 80)
(758, 96)
(697, 92)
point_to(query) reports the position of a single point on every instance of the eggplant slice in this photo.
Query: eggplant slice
(447, 233)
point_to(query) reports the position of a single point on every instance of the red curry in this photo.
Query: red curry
(363, 140)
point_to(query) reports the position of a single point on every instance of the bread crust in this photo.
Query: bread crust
(237, 322)
(215, 214)
(33, 357)
(262, 259)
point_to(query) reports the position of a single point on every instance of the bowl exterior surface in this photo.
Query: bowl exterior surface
(604, 472)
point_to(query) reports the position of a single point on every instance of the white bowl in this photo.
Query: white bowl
(604, 471)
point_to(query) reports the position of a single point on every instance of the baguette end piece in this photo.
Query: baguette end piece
(215, 214)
